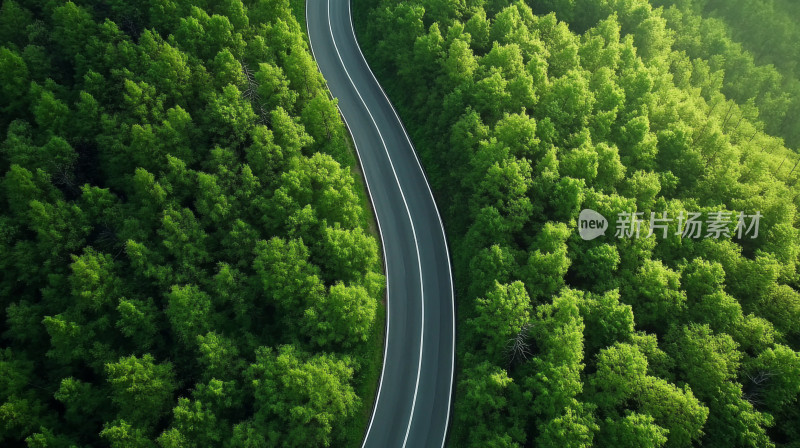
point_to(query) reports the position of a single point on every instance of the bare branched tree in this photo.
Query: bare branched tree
(518, 347)
(252, 95)
(753, 398)
(64, 178)
(760, 378)
(755, 386)
(251, 92)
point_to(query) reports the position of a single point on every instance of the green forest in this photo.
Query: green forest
(187, 254)
(188, 257)
(527, 112)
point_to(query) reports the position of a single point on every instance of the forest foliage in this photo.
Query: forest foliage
(751, 46)
(525, 113)
(186, 257)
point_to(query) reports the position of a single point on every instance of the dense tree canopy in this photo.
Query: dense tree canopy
(525, 113)
(186, 257)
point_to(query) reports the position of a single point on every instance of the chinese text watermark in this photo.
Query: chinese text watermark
(719, 224)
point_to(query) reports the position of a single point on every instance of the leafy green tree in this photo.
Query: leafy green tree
(344, 316)
(71, 24)
(321, 118)
(518, 133)
(95, 285)
(733, 420)
(141, 389)
(265, 11)
(192, 425)
(489, 393)
(315, 396)
(138, 320)
(273, 87)
(607, 320)
(212, 202)
(168, 69)
(706, 360)
(49, 112)
(632, 430)
(548, 261)
(568, 102)
(596, 265)
(782, 307)
(185, 241)
(502, 318)
(504, 187)
(581, 163)
(674, 409)
(21, 412)
(266, 158)
(247, 435)
(460, 65)
(478, 26)
(121, 434)
(491, 264)
(574, 428)
(302, 73)
(320, 182)
(229, 115)
(346, 254)
(80, 399)
(655, 295)
(14, 19)
(15, 78)
(621, 369)
(557, 331)
(189, 312)
(491, 95)
(286, 275)
(780, 366)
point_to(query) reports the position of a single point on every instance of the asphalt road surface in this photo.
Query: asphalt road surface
(412, 405)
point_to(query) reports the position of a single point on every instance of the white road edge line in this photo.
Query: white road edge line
(380, 233)
(413, 230)
(438, 215)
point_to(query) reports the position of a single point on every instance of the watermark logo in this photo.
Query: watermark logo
(591, 224)
(689, 225)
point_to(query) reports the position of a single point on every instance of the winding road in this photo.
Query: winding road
(412, 405)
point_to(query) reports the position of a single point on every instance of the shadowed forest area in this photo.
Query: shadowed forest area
(185, 253)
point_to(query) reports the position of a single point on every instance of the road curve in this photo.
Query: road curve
(412, 405)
